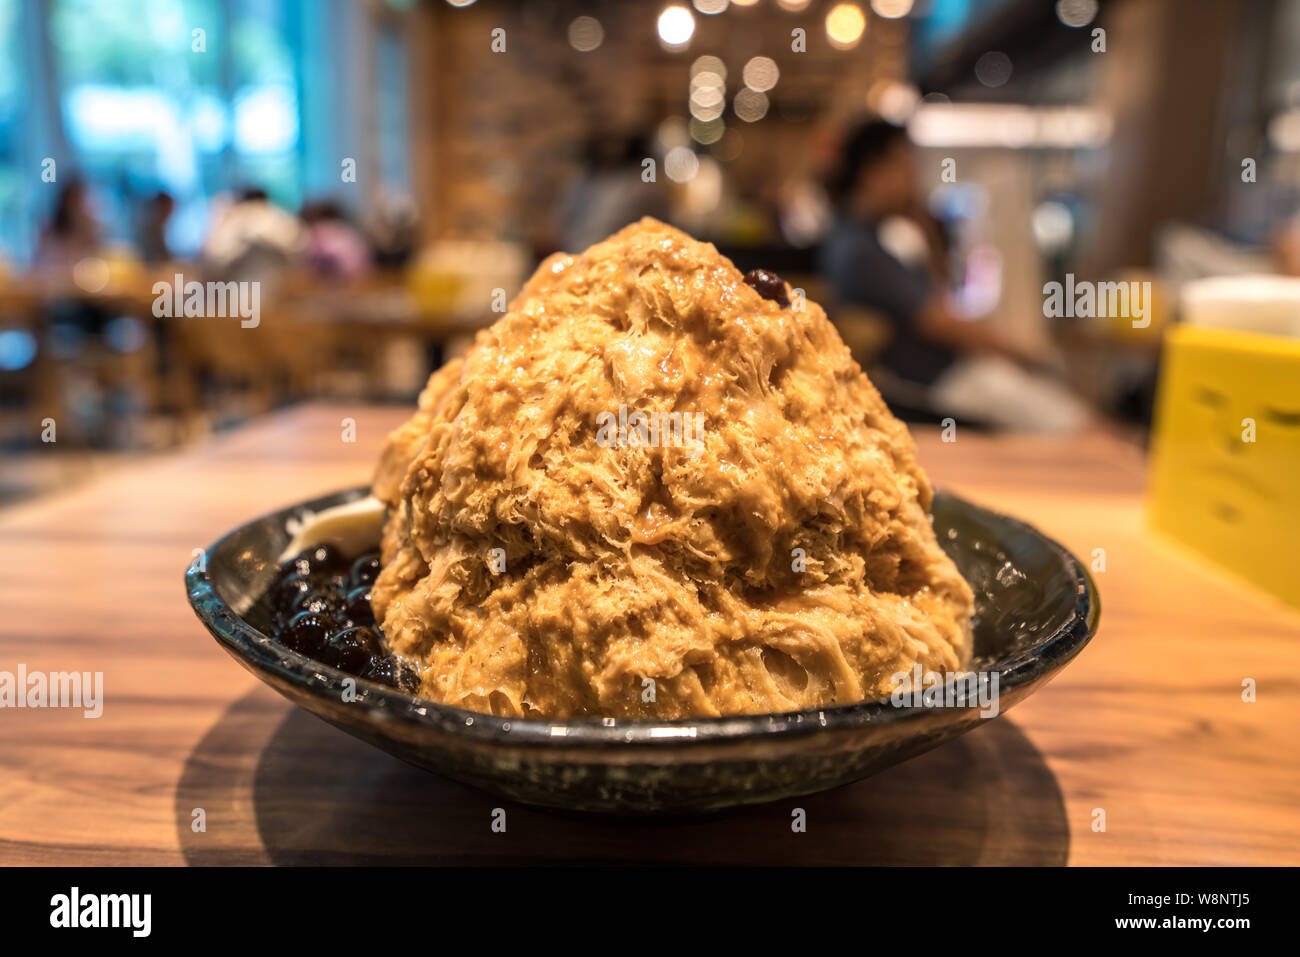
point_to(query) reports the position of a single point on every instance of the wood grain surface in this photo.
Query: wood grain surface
(1148, 724)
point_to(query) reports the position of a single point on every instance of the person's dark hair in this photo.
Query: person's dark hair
(321, 211)
(607, 151)
(253, 194)
(866, 144)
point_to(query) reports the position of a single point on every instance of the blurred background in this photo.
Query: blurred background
(922, 168)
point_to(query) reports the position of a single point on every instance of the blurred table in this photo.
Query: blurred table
(375, 336)
(383, 299)
(1146, 725)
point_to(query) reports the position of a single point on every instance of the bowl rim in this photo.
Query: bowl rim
(262, 654)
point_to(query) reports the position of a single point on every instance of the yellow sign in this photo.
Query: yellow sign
(1225, 475)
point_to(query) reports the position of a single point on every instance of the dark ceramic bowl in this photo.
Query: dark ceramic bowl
(1036, 607)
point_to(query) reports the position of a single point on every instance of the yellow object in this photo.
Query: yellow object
(1225, 472)
(125, 270)
(435, 291)
(1155, 307)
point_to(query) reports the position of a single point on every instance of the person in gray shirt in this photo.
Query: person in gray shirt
(957, 365)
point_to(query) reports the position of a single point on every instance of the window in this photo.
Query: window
(194, 97)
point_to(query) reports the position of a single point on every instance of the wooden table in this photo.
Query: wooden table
(1147, 724)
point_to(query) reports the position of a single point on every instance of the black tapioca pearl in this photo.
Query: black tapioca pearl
(357, 606)
(307, 633)
(286, 592)
(365, 570)
(336, 585)
(353, 649)
(768, 285)
(319, 603)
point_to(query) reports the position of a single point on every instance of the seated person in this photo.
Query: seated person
(936, 358)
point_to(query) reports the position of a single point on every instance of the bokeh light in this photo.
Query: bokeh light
(751, 106)
(681, 164)
(672, 132)
(90, 274)
(1284, 131)
(893, 100)
(760, 74)
(1076, 13)
(17, 349)
(711, 7)
(709, 64)
(707, 103)
(586, 34)
(844, 25)
(266, 119)
(704, 191)
(794, 6)
(707, 96)
(708, 132)
(891, 9)
(993, 69)
(1053, 226)
(707, 80)
(708, 91)
(676, 26)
